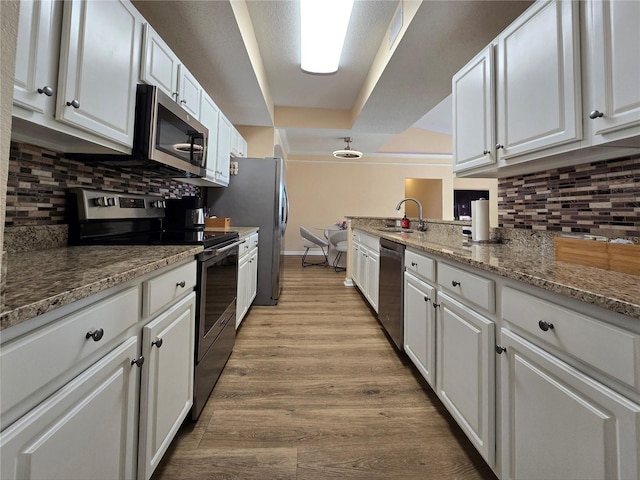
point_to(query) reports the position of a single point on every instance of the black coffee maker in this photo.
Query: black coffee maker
(184, 213)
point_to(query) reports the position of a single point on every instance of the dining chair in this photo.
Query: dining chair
(339, 243)
(313, 241)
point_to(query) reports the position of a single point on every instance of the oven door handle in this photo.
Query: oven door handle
(229, 247)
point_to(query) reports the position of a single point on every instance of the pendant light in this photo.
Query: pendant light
(347, 153)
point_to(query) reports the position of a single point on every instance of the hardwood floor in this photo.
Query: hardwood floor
(314, 390)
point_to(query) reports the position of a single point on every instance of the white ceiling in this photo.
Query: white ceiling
(442, 37)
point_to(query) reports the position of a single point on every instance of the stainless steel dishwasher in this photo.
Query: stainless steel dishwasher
(390, 294)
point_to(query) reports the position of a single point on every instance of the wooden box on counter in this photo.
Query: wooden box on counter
(218, 222)
(624, 258)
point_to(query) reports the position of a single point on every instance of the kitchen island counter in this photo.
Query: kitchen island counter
(618, 292)
(41, 281)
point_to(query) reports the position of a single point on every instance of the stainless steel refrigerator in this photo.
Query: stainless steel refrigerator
(257, 197)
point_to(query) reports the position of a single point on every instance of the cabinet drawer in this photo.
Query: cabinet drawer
(422, 266)
(40, 359)
(609, 349)
(470, 287)
(166, 287)
(245, 247)
(370, 241)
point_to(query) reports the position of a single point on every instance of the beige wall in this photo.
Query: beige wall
(260, 140)
(324, 190)
(8, 34)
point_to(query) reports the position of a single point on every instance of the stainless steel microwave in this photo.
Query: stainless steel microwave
(167, 142)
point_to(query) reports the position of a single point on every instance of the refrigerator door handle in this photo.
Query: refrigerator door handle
(285, 217)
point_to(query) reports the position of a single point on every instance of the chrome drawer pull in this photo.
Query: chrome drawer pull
(95, 334)
(545, 326)
(181, 284)
(414, 264)
(454, 283)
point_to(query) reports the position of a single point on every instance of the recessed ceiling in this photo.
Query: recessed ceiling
(440, 39)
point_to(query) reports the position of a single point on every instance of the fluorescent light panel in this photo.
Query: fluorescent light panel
(324, 26)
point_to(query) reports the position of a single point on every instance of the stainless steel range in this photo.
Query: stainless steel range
(98, 217)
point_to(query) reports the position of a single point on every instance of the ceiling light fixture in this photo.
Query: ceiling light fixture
(323, 27)
(347, 153)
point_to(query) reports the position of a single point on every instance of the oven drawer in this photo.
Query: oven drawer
(612, 350)
(167, 287)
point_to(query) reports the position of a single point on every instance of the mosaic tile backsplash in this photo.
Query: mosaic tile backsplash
(600, 198)
(38, 180)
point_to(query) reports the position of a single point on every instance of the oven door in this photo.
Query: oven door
(218, 277)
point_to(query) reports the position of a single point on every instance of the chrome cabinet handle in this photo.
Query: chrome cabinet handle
(47, 90)
(454, 283)
(596, 114)
(175, 94)
(499, 146)
(181, 284)
(183, 102)
(500, 349)
(138, 361)
(414, 264)
(95, 334)
(545, 326)
(73, 103)
(486, 152)
(157, 343)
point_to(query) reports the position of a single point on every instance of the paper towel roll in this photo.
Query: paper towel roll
(480, 220)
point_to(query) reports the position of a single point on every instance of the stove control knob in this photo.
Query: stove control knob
(100, 201)
(111, 201)
(157, 204)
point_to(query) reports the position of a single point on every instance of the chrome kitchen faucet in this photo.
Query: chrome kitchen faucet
(422, 226)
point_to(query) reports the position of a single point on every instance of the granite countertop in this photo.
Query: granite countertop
(41, 281)
(614, 291)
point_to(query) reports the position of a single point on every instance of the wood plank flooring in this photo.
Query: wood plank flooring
(314, 390)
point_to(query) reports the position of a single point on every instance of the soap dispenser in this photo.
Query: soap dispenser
(404, 223)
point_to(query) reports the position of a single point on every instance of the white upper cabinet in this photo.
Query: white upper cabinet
(190, 92)
(209, 117)
(238, 144)
(543, 118)
(612, 107)
(473, 90)
(35, 79)
(538, 88)
(99, 68)
(160, 65)
(223, 157)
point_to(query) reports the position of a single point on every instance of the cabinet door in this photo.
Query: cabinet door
(557, 423)
(538, 80)
(209, 117)
(373, 277)
(363, 276)
(253, 277)
(614, 71)
(85, 430)
(190, 91)
(355, 262)
(224, 150)
(167, 381)
(37, 55)
(242, 302)
(420, 325)
(159, 63)
(473, 113)
(465, 376)
(99, 68)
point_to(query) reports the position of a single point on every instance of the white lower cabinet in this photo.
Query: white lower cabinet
(100, 389)
(558, 423)
(465, 371)
(247, 276)
(167, 381)
(365, 268)
(85, 430)
(420, 325)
